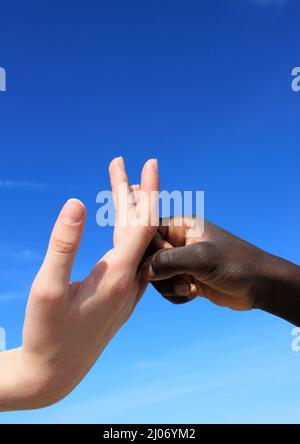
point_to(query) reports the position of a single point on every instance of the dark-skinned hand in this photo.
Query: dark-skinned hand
(217, 265)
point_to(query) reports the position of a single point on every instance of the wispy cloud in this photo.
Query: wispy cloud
(107, 407)
(11, 296)
(12, 184)
(110, 407)
(19, 253)
(26, 255)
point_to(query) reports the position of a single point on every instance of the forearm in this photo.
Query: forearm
(277, 289)
(18, 392)
(9, 390)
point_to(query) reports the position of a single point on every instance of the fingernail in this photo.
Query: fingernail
(120, 160)
(154, 163)
(73, 211)
(182, 289)
(147, 271)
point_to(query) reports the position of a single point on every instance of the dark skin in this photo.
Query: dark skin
(219, 266)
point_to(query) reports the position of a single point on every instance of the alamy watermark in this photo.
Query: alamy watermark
(296, 340)
(2, 79)
(184, 204)
(296, 79)
(2, 339)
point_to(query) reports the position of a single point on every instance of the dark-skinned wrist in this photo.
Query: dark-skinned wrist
(276, 289)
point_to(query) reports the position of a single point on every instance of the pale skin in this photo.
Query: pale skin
(68, 324)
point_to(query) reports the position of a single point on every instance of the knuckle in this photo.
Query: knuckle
(210, 257)
(63, 246)
(47, 292)
(53, 294)
(165, 287)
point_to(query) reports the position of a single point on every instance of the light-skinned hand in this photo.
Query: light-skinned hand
(68, 324)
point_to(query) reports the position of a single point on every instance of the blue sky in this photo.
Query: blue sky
(205, 86)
